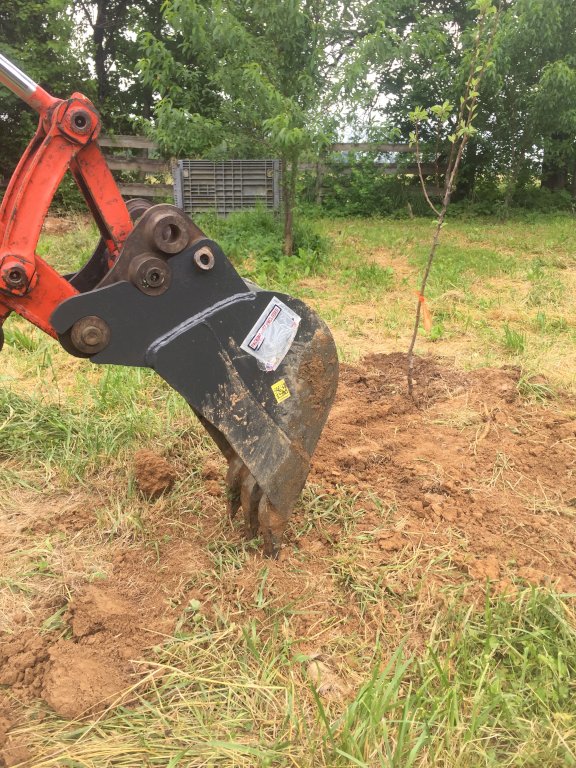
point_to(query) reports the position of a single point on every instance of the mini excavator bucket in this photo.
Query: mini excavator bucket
(259, 368)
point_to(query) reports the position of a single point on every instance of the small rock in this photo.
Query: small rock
(390, 542)
(326, 682)
(436, 508)
(418, 508)
(449, 514)
(433, 498)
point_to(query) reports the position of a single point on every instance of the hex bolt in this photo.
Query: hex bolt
(153, 277)
(150, 274)
(90, 334)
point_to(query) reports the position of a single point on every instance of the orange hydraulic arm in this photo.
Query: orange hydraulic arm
(65, 139)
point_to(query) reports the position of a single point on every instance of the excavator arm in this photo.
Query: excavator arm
(258, 368)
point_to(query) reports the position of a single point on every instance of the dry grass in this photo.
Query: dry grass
(337, 656)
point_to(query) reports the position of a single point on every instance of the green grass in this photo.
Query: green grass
(69, 250)
(472, 684)
(456, 268)
(494, 687)
(488, 276)
(513, 341)
(79, 437)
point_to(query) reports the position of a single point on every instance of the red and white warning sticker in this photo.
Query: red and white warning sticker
(272, 335)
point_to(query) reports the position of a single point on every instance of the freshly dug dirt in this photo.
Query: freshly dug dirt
(469, 483)
(109, 626)
(86, 672)
(79, 680)
(154, 475)
(468, 459)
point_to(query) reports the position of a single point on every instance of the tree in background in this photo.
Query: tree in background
(531, 108)
(108, 33)
(76, 45)
(38, 37)
(238, 78)
(245, 78)
(526, 123)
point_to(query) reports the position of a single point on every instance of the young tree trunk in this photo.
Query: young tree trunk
(289, 168)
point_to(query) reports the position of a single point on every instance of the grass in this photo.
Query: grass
(494, 687)
(514, 342)
(425, 677)
(488, 276)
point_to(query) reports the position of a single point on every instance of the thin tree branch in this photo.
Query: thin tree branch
(420, 174)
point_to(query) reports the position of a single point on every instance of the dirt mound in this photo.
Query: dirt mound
(81, 680)
(87, 664)
(469, 459)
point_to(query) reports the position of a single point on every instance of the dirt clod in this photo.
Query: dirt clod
(81, 680)
(487, 568)
(154, 475)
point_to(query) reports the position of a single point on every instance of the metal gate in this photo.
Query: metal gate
(227, 185)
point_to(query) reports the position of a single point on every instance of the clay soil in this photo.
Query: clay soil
(469, 486)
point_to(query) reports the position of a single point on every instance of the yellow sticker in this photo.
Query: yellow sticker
(281, 391)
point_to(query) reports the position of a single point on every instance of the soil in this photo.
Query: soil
(153, 474)
(469, 483)
(469, 458)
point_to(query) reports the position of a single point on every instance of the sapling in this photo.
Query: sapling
(462, 123)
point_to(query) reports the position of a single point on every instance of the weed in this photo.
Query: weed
(437, 332)
(363, 583)
(547, 288)
(228, 557)
(324, 510)
(535, 388)
(550, 325)
(514, 341)
(253, 240)
(24, 342)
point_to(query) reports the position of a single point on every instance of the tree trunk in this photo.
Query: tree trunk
(288, 193)
(99, 34)
(554, 168)
(319, 182)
